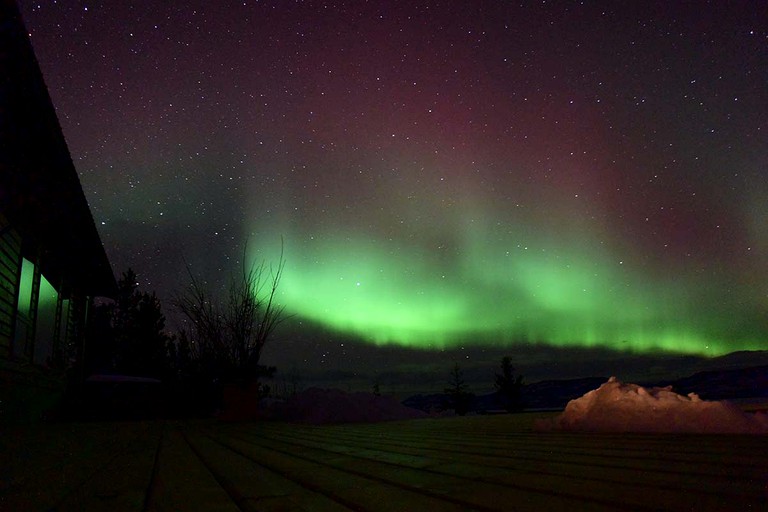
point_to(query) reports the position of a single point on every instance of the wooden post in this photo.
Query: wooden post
(34, 299)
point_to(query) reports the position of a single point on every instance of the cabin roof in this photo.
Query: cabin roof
(40, 192)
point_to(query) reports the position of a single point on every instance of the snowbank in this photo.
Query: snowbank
(318, 406)
(619, 407)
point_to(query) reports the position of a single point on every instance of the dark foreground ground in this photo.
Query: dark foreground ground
(471, 463)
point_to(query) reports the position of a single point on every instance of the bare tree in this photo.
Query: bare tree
(227, 336)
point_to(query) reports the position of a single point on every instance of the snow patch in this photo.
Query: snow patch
(620, 407)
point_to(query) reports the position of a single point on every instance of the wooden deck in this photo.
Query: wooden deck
(472, 463)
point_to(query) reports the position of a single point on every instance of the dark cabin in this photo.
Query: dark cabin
(52, 262)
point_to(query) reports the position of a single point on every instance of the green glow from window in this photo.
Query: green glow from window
(48, 294)
(25, 286)
(46, 321)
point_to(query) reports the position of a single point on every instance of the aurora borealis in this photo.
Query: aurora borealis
(443, 174)
(491, 284)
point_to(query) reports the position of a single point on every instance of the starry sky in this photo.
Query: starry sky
(461, 178)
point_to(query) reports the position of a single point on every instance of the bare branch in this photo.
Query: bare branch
(232, 334)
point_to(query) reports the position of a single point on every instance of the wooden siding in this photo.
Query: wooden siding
(10, 269)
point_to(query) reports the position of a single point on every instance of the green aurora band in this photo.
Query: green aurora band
(387, 292)
(432, 263)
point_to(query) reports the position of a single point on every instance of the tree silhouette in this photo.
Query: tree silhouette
(127, 335)
(227, 337)
(509, 387)
(459, 397)
(138, 321)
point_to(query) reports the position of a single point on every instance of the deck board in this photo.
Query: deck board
(471, 463)
(182, 482)
(257, 486)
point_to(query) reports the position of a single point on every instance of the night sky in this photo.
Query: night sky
(464, 178)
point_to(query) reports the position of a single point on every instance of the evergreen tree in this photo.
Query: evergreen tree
(509, 387)
(99, 353)
(140, 343)
(459, 397)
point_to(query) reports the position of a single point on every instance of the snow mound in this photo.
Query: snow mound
(320, 406)
(619, 407)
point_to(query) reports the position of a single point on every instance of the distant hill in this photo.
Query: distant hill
(549, 394)
(735, 360)
(723, 384)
